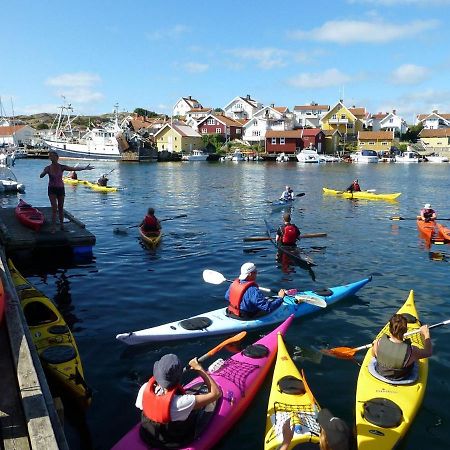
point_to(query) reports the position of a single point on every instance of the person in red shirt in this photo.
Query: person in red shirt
(354, 187)
(288, 233)
(150, 223)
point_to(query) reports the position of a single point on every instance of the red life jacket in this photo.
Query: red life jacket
(237, 292)
(157, 407)
(356, 187)
(150, 223)
(290, 234)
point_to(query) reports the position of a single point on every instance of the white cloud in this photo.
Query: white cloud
(409, 74)
(327, 78)
(77, 87)
(194, 67)
(265, 58)
(168, 33)
(361, 31)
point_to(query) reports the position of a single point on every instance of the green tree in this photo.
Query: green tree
(42, 126)
(145, 112)
(213, 140)
(413, 133)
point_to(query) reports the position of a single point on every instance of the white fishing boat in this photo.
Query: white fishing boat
(106, 142)
(407, 157)
(282, 157)
(308, 155)
(329, 158)
(437, 159)
(8, 181)
(238, 156)
(197, 155)
(365, 156)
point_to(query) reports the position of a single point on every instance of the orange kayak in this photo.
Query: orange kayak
(444, 232)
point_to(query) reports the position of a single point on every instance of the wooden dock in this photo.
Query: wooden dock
(15, 236)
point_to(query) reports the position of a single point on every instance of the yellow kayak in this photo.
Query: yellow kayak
(53, 339)
(151, 239)
(290, 398)
(96, 187)
(407, 397)
(362, 194)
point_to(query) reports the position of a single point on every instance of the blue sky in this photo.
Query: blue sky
(380, 54)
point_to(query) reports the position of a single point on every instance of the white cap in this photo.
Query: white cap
(246, 269)
(287, 187)
(427, 206)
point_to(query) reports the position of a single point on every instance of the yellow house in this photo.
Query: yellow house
(178, 138)
(342, 119)
(439, 138)
(380, 141)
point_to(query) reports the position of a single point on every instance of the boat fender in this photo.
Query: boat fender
(291, 385)
(256, 351)
(196, 323)
(325, 292)
(409, 318)
(58, 329)
(58, 354)
(383, 413)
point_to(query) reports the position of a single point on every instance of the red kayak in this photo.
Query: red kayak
(29, 216)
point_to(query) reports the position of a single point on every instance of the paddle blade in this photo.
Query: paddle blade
(341, 352)
(120, 230)
(213, 277)
(236, 338)
(311, 300)
(301, 194)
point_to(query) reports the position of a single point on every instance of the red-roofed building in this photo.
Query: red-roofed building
(219, 124)
(292, 141)
(16, 135)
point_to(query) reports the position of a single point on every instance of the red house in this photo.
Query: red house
(220, 124)
(292, 141)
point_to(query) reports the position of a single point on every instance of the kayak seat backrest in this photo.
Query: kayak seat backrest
(196, 323)
(383, 413)
(325, 292)
(291, 385)
(58, 329)
(409, 318)
(256, 351)
(58, 354)
(36, 313)
(412, 377)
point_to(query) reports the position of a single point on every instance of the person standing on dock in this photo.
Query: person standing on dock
(56, 192)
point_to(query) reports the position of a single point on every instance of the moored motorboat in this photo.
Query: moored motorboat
(365, 157)
(239, 377)
(219, 322)
(29, 216)
(308, 155)
(290, 399)
(407, 157)
(368, 195)
(437, 159)
(152, 238)
(53, 339)
(386, 409)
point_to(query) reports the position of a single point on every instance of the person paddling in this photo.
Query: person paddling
(288, 233)
(103, 181)
(245, 299)
(73, 175)
(354, 187)
(168, 412)
(150, 224)
(287, 195)
(395, 356)
(427, 214)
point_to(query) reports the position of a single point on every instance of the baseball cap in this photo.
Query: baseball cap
(168, 370)
(427, 206)
(336, 430)
(246, 269)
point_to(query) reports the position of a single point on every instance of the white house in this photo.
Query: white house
(309, 115)
(16, 135)
(433, 121)
(184, 105)
(276, 118)
(195, 115)
(388, 122)
(242, 108)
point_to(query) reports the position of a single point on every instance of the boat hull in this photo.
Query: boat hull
(362, 194)
(221, 323)
(407, 397)
(444, 232)
(237, 394)
(150, 239)
(81, 151)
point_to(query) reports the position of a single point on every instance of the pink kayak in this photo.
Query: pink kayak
(239, 378)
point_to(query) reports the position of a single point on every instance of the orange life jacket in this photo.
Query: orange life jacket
(237, 291)
(157, 407)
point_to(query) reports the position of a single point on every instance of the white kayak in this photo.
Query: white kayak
(218, 322)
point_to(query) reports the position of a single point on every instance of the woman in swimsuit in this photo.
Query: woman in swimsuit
(56, 191)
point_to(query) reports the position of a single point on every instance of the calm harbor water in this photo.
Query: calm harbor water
(127, 287)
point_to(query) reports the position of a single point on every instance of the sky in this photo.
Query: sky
(377, 54)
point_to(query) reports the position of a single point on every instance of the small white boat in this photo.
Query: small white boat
(197, 155)
(8, 181)
(407, 157)
(238, 156)
(329, 158)
(308, 156)
(282, 157)
(437, 159)
(365, 156)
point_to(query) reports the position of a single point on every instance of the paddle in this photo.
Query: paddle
(349, 352)
(123, 230)
(268, 238)
(214, 277)
(410, 218)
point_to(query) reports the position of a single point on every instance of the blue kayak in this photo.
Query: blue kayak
(278, 205)
(218, 322)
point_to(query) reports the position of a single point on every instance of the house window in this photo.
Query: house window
(371, 143)
(255, 122)
(282, 141)
(204, 130)
(343, 116)
(384, 143)
(218, 130)
(211, 122)
(391, 120)
(238, 131)
(334, 116)
(256, 133)
(274, 141)
(350, 125)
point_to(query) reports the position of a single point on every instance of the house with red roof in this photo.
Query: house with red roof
(185, 104)
(219, 124)
(292, 141)
(433, 121)
(17, 135)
